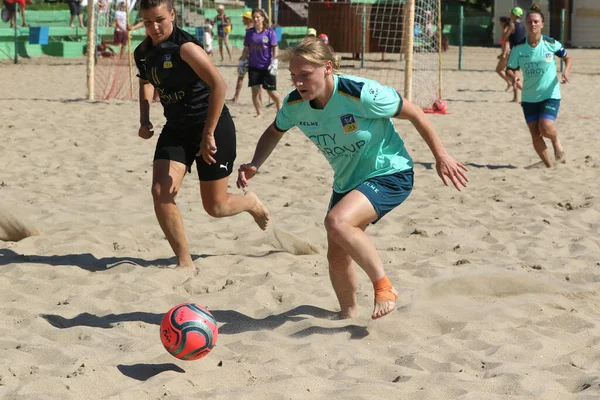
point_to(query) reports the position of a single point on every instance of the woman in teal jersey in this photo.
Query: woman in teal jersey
(541, 89)
(349, 120)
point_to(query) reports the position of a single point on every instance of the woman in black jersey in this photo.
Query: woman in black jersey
(198, 128)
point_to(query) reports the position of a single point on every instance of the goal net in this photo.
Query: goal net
(113, 66)
(396, 42)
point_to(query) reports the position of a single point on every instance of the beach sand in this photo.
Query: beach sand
(499, 284)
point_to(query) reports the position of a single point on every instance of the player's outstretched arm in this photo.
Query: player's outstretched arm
(447, 167)
(265, 146)
(568, 64)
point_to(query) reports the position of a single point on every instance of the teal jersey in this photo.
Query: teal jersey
(354, 131)
(539, 68)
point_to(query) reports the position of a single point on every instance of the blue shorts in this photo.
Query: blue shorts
(543, 109)
(384, 192)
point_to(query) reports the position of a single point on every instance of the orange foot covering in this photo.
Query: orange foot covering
(383, 290)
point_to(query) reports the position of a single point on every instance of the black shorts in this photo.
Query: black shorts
(257, 77)
(11, 7)
(182, 145)
(74, 7)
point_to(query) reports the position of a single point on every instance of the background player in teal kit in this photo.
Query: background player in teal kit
(541, 90)
(199, 127)
(349, 120)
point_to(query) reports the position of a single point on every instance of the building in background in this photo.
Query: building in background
(581, 19)
(585, 23)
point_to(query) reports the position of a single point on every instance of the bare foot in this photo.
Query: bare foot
(231, 101)
(258, 115)
(385, 305)
(560, 157)
(185, 267)
(259, 212)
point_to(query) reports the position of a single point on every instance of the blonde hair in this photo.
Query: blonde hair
(315, 51)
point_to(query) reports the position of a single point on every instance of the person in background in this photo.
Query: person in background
(75, 10)
(514, 35)
(502, 57)
(535, 54)
(104, 50)
(121, 33)
(243, 63)
(11, 7)
(103, 9)
(207, 38)
(223, 23)
(260, 47)
(323, 37)
(311, 32)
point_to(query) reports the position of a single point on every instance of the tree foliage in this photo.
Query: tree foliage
(483, 5)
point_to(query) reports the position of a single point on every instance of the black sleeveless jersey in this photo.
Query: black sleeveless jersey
(518, 35)
(182, 93)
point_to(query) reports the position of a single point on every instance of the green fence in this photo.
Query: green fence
(69, 42)
(477, 25)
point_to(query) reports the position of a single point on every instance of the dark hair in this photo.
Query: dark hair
(148, 4)
(264, 15)
(535, 9)
(505, 20)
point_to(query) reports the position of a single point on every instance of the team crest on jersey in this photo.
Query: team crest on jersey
(265, 40)
(548, 57)
(349, 123)
(167, 61)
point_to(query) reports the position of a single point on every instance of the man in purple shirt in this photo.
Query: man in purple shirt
(260, 47)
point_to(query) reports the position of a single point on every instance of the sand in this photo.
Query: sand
(499, 283)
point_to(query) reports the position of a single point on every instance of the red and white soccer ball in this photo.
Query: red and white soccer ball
(188, 331)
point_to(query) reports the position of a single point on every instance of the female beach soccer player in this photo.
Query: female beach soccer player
(198, 128)
(541, 90)
(503, 56)
(349, 120)
(243, 62)
(223, 23)
(260, 47)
